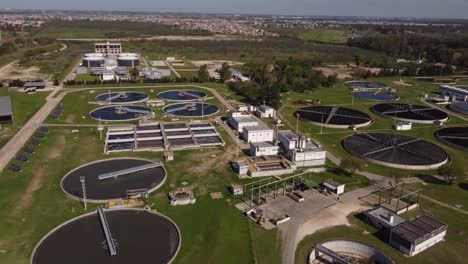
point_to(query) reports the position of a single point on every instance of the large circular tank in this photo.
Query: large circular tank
(93, 61)
(128, 61)
(396, 150)
(139, 236)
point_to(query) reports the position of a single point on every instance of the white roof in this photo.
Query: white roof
(258, 128)
(5, 106)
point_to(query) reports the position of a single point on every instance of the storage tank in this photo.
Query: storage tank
(128, 61)
(93, 61)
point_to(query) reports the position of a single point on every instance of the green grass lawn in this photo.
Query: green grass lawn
(86, 77)
(333, 36)
(213, 231)
(454, 195)
(452, 250)
(24, 107)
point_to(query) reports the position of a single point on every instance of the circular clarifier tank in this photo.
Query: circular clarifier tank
(375, 95)
(460, 107)
(113, 178)
(122, 97)
(139, 236)
(365, 85)
(410, 113)
(120, 113)
(456, 137)
(182, 95)
(190, 109)
(396, 150)
(333, 116)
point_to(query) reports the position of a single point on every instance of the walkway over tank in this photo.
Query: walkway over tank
(116, 174)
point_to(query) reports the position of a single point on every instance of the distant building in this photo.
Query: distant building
(259, 133)
(241, 167)
(459, 93)
(35, 85)
(108, 48)
(237, 189)
(263, 149)
(108, 76)
(265, 111)
(402, 126)
(334, 186)
(301, 151)
(6, 111)
(238, 75)
(238, 120)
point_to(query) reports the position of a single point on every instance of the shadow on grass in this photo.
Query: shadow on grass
(463, 186)
(431, 179)
(380, 234)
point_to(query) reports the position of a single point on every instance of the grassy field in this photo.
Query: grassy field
(24, 107)
(452, 250)
(212, 230)
(340, 95)
(332, 36)
(108, 29)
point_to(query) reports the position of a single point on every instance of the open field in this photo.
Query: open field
(452, 250)
(333, 36)
(24, 107)
(108, 29)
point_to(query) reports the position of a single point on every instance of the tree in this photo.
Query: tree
(203, 75)
(56, 82)
(357, 60)
(394, 179)
(351, 165)
(134, 73)
(450, 173)
(224, 72)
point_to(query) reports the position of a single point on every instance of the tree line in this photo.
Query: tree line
(269, 80)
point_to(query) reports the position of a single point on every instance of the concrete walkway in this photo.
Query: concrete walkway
(172, 69)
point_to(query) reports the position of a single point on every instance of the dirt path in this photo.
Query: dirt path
(333, 215)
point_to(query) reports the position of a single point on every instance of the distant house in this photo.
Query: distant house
(238, 75)
(35, 85)
(6, 112)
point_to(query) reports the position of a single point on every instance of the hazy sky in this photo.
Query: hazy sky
(393, 8)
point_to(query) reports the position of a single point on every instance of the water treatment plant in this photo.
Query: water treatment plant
(410, 113)
(396, 150)
(163, 138)
(333, 117)
(111, 179)
(122, 97)
(182, 95)
(191, 110)
(120, 113)
(132, 235)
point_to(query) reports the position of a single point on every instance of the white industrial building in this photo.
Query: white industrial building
(301, 151)
(408, 236)
(258, 133)
(402, 126)
(334, 186)
(265, 111)
(238, 120)
(108, 76)
(454, 93)
(108, 48)
(263, 149)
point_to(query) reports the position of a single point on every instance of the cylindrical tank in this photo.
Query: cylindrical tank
(93, 61)
(128, 61)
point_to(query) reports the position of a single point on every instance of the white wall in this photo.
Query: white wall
(258, 136)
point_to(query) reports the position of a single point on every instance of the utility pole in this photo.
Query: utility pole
(297, 123)
(83, 187)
